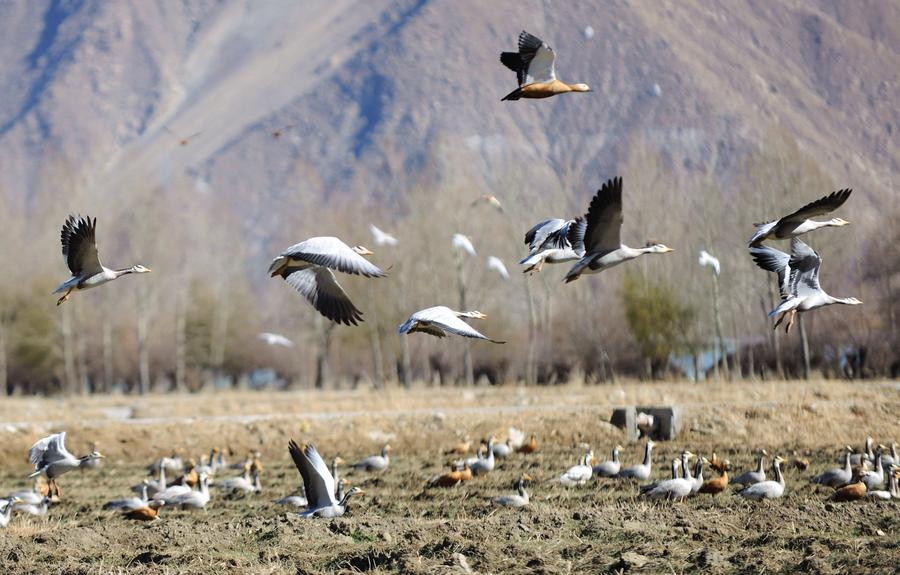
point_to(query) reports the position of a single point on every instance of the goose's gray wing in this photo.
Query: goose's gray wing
(79, 246)
(534, 62)
(330, 252)
(321, 289)
(536, 236)
(445, 319)
(804, 265)
(819, 207)
(604, 219)
(317, 480)
(775, 261)
(575, 234)
(49, 449)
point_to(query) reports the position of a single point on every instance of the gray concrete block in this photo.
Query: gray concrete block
(665, 426)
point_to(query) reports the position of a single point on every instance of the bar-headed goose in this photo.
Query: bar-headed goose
(609, 468)
(318, 483)
(838, 476)
(798, 223)
(554, 241)
(640, 472)
(441, 320)
(518, 499)
(758, 475)
(375, 462)
(767, 489)
(51, 458)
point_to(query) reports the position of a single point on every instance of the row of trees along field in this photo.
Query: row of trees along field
(195, 321)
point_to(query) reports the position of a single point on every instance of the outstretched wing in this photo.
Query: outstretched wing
(775, 261)
(446, 320)
(536, 236)
(331, 252)
(49, 449)
(79, 246)
(819, 207)
(534, 62)
(604, 218)
(321, 289)
(317, 480)
(804, 265)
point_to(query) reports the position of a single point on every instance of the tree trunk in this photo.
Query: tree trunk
(181, 306)
(467, 352)
(108, 364)
(323, 374)
(3, 364)
(142, 334)
(375, 337)
(776, 342)
(406, 362)
(68, 350)
(804, 341)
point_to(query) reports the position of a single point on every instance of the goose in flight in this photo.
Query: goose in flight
(496, 264)
(318, 483)
(79, 248)
(535, 71)
(275, 339)
(382, 238)
(798, 223)
(441, 320)
(50, 457)
(461, 242)
(554, 241)
(798, 280)
(308, 268)
(707, 259)
(603, 246)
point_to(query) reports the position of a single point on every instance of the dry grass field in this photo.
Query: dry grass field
(399, 526)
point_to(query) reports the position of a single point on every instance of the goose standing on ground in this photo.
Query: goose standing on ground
(838, 476)
(798, 223)
(553, 242)
(441, 320)
(79, 248)
(194, 499)
(153, 486)
(758, 475)
(602, 236)
(642, 471)
(893, 491)
(578, 474)
(128, 503)
(519, 499)
(867, 454)
(767, 489)
(6, 509)
(308, 268)
(50, 457)
(485, 464)
(675, 488)
(318, 483)
(375, 462)
(696, 478)
(875, 479)
(609, 468)
(502, 450)
(535, 70)
(798, 280)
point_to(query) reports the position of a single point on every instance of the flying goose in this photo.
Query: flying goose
(707, 259)
(609, 468)
(533, 65)
(519, 499)
(375, 462)
(838, 476)
(79, 248)
(463, 243)
(308, 268)
(50, 457)
(318, 483)
(275, 339)
(441, 320)
(554, 241)
(798, 280)
(382, 238)
(496, 264)
(798, 223)
(767, 489)
(602, 243)
(756, 476)
(642, 471)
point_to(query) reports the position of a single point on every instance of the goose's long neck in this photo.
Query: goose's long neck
(257, 484)
(522, 493)
(674, 469)
(685, 467)
(124, 271)
(615, 455)
(144, 492)
(334, 471)
(162, 477)
(778, 476)
(647, 454)
(760, 464)
(847, 468)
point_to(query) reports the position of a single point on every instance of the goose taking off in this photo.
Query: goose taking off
(798, 223)
(534, 68)
(603, 246)
(307, 267)
(382, 238)
(275, 339)
(50, 457)
(79, 248)
(496, 264)
(461, 242)
(6, 509)
(798, 280)
(318, 483)
(554, 241)
(706, 259)
(441, 320)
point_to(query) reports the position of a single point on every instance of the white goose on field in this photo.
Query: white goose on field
(36, 509)
(79, 248)
(153, 486)
(534, 65)
(642, 471)
(767, 489)
(375, 462)
(518, 499)
(6, 509)
(309, 267)
(33, 496)
(798, 223)
(758, 475)
(129, 503)
(554, 241)
(503, 449)
(875, 479)
(318, 483)
(867, 454)
(441, 320)
(194, 499)
(51, 458)
(484, 465)
(602, 236)
(578, 474)
(675, 488)
(838, 476)
(609, 468)
(297, 499)
(798, 280)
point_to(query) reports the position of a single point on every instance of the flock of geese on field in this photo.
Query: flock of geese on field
(871, 474)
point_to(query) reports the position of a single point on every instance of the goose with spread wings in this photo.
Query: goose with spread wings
(535, 70)
(798, 223)
(318, 483)
(51, 458)
(79, 248)
(441, 320)
(554, 241)
(603, 247)
(798, 280)
(309, 266)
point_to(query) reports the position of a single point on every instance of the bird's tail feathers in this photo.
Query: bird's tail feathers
(786, 305)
